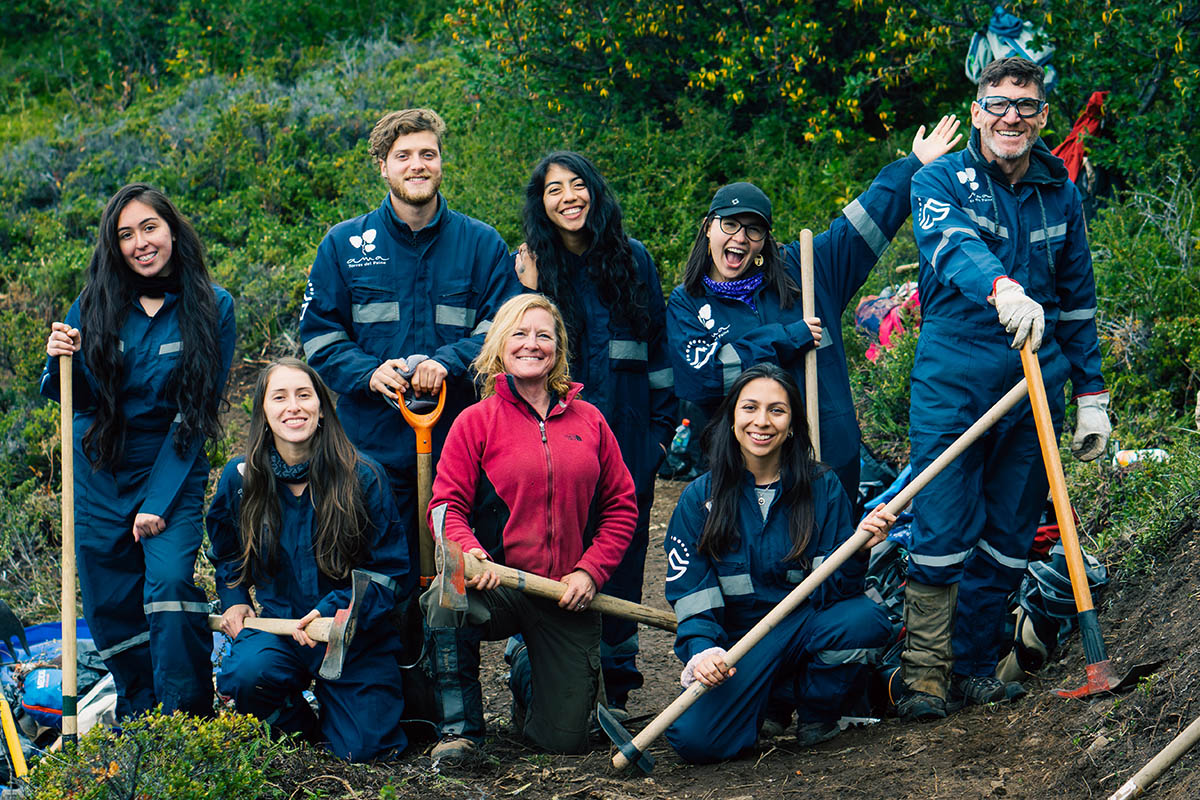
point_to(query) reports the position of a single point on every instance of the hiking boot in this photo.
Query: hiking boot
(451, 750)
(812, 733)
(771, 728)
(917, 706)
(979, 690)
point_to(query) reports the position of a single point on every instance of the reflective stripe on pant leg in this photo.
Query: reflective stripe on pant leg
(837, 646)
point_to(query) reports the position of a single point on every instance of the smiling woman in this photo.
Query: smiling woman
(532, 477)
(738, 306)
(293, 518)
(151, 340)
(741, 538)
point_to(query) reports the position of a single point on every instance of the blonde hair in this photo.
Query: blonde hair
(490, 361)
(401, 123)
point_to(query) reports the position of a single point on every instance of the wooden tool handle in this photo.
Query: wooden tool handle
(317, 630)
(553, 590)
(424, 537)
(808, 305)
(1058, 482)
(798, 595)
(70, 680)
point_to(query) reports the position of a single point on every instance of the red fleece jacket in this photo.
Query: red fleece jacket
(547, 473)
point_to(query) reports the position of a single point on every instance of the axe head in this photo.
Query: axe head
(345, 622)
(451, 570)
(11, 627)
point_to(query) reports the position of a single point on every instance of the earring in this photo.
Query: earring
(790, 432)
(758, 259)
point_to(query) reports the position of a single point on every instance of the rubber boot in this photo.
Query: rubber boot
(928, 653)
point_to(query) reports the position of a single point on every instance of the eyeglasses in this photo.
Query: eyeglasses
(754, 232)
(998, 106)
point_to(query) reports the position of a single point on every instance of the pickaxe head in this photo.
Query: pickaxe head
(345, 622)
(10, 626)
(623, 740)
(448, 555)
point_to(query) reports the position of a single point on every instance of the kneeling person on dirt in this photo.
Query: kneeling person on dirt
(1001, 234)
(293, 518)
(531, 477)
(741, 538)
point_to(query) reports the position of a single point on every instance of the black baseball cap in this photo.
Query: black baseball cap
(741, 198)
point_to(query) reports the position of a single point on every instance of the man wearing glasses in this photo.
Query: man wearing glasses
(1004, 260)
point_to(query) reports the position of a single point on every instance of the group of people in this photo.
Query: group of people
(562, 368)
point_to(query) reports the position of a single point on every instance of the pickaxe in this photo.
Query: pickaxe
(632, 749)
(455, 568)
(337, 631)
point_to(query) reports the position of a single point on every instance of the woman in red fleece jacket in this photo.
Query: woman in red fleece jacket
(532, 477)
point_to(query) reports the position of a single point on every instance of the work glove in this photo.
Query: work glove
(688, 676)
(1092, 427)
(1021, 315)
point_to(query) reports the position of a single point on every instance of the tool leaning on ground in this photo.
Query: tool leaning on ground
(337, 631)
(70, 678)
(11, 631)
(456, 567)
(1101, 677)
(632, 750)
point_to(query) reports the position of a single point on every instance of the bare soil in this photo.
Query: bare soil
(1039, 747)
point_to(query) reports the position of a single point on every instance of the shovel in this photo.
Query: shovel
(1101, 677)
(632, 750)
(808, 306)
(422, 413)
(70, 676)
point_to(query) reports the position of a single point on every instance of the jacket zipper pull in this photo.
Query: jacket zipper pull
(542, 425)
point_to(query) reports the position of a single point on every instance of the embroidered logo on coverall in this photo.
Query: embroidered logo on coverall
(677, 560)
(699, 350)
(932, 212)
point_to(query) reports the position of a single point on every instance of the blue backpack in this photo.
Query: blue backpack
(1007, 35)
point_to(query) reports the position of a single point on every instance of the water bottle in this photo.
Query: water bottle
(1124, 458)
(683, 435)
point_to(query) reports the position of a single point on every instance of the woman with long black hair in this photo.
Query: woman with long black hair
(607, 288)
(742, 537)
(152, 339)
(294, 517)
(739, 303)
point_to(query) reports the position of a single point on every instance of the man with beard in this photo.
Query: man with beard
(1004, 259)
(411, 277)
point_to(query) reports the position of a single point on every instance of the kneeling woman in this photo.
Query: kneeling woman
(741, 538)
(293, 518)
(531, 476)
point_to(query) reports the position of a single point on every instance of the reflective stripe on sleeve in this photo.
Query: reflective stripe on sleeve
(946, 234)
(866, 227)
(1077, 314)
(482, 327)
(662, 379)
(698, 602)
(731, 365)
(170, 347)
(317, 342)
(382, 580)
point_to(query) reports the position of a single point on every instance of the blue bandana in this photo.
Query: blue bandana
(286, 472)
(742, 289)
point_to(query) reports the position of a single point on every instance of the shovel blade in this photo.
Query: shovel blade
(623, 740)
(1103, 679)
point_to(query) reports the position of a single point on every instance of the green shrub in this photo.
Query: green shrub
(156, 756)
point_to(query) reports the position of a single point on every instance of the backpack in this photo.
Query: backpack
(1007, 35)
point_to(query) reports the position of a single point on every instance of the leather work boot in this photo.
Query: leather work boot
(979, 690)
(928, 652)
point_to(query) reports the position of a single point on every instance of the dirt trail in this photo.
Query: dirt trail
(1040, 747)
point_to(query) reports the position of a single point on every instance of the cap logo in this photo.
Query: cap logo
(734, 201)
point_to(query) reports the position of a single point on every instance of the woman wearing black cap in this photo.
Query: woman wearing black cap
(739, 301)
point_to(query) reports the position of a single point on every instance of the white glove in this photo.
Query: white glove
(1020, 314)
(688, 676)
(1092, 427)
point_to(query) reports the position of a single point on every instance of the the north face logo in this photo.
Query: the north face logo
(364, 242)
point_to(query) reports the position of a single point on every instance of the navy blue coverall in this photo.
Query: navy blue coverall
(265, 673)
(630, 381)
(975, 522)
(376, 291)
(712, 339)
(824, 645)
(148, 617)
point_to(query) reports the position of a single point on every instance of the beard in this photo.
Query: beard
(415, 197)
(995, 144)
